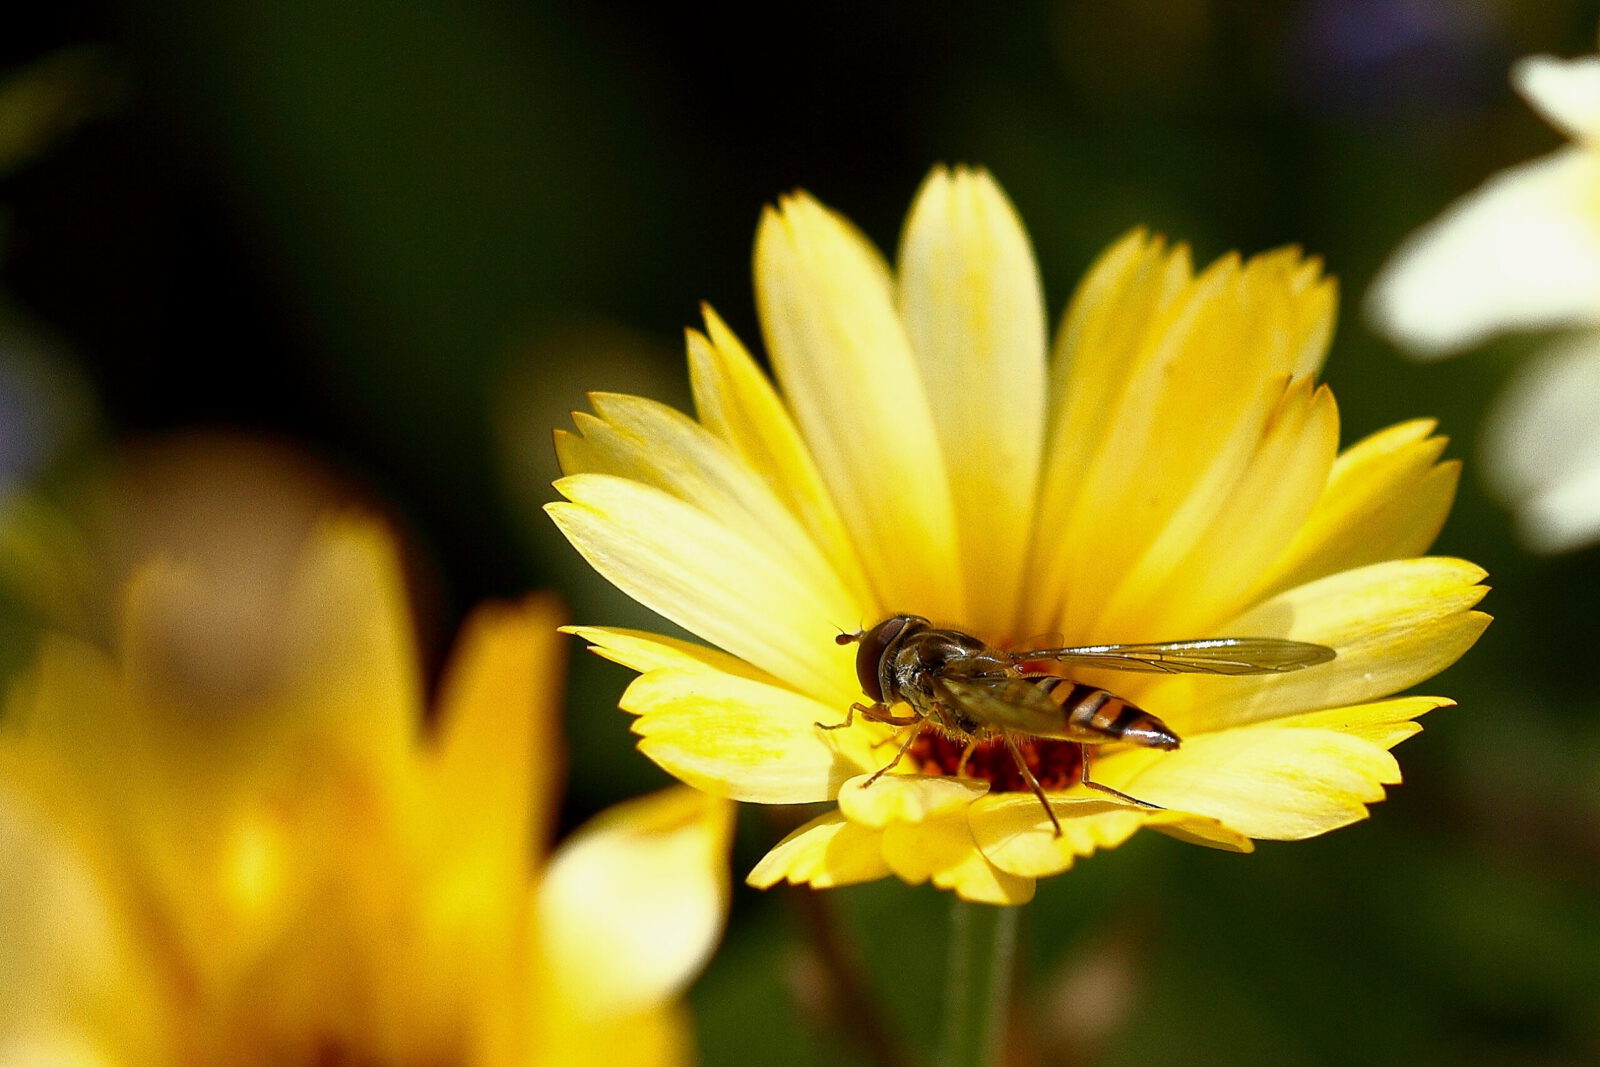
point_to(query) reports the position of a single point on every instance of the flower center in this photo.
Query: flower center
(1056, 764)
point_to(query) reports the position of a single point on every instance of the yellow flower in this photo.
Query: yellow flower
(1169, 473)
(260, 854)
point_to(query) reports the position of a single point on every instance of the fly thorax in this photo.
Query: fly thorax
(934, 651)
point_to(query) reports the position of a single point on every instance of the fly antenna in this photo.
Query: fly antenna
(846, 637)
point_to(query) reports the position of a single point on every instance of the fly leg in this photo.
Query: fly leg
(1033, 783)
(911, 735)
(880, 713)
(894, 738)
(1084, 778)
(966, 754)
(872, 713)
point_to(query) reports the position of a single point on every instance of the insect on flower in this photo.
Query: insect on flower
(973, 692)
(929, 451)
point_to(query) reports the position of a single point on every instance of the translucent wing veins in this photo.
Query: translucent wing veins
(1211, 655)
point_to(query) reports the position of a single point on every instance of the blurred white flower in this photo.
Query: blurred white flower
(1523, 252)
(1542, 445)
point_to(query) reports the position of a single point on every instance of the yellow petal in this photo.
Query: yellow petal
(1263, 511)
(738, 404)
(657, 446)
(925, 836)
(71, 975)
(953, 863)
(974, 312)
(55, 1048)
(225, 869)
(907, 798)
(826, 852)
(328, 647)
(661, 1037)
(1125, 291)
(63, 710)
(838, 347)
(1385, 498)
(1215, 362)
(633, 902)
(744, 739)
(1385, 723)
(1393, 624)
(1199, 830)
(764, 709)
(1313, 310)
(1015, 834)
(1270, 782)
(642, 652)
(1201, 566)
(497, 761)
(693, 569)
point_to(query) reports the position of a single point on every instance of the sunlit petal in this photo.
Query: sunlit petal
(970, 298)
(1385, 723)
(496, 759)
(632, 903)
(744, 739)
(941, 851)
(764, 738)
(1269, 782)
(906, 798)
(1015, 833)
(1392, 624)
(652, 444)
(1194, 575)
(1215, 360)
(642, 652)
(827, 851)
(838, 346)
(65, 964)
(696, 571)
(1386, 498)
(736, 402)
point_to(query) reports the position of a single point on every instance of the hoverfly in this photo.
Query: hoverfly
(973, 692)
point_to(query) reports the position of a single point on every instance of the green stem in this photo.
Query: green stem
(983, 942)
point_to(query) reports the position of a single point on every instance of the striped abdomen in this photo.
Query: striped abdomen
(1095, 716)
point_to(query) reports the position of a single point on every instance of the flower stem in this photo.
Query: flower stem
(851, 1002)
(983, 942)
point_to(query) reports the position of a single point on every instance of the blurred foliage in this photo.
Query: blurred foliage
(409, 236)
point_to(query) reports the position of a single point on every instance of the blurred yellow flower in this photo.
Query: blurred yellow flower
(1520, 253)
(1170, 473)
(213, 854)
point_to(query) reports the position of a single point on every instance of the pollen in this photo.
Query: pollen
(1056, 764)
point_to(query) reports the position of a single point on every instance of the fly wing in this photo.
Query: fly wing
(1002, 703)
(1212, 655)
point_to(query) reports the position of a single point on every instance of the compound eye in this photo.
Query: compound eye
(874, 643)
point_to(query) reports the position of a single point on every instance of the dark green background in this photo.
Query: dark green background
(409, 235)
